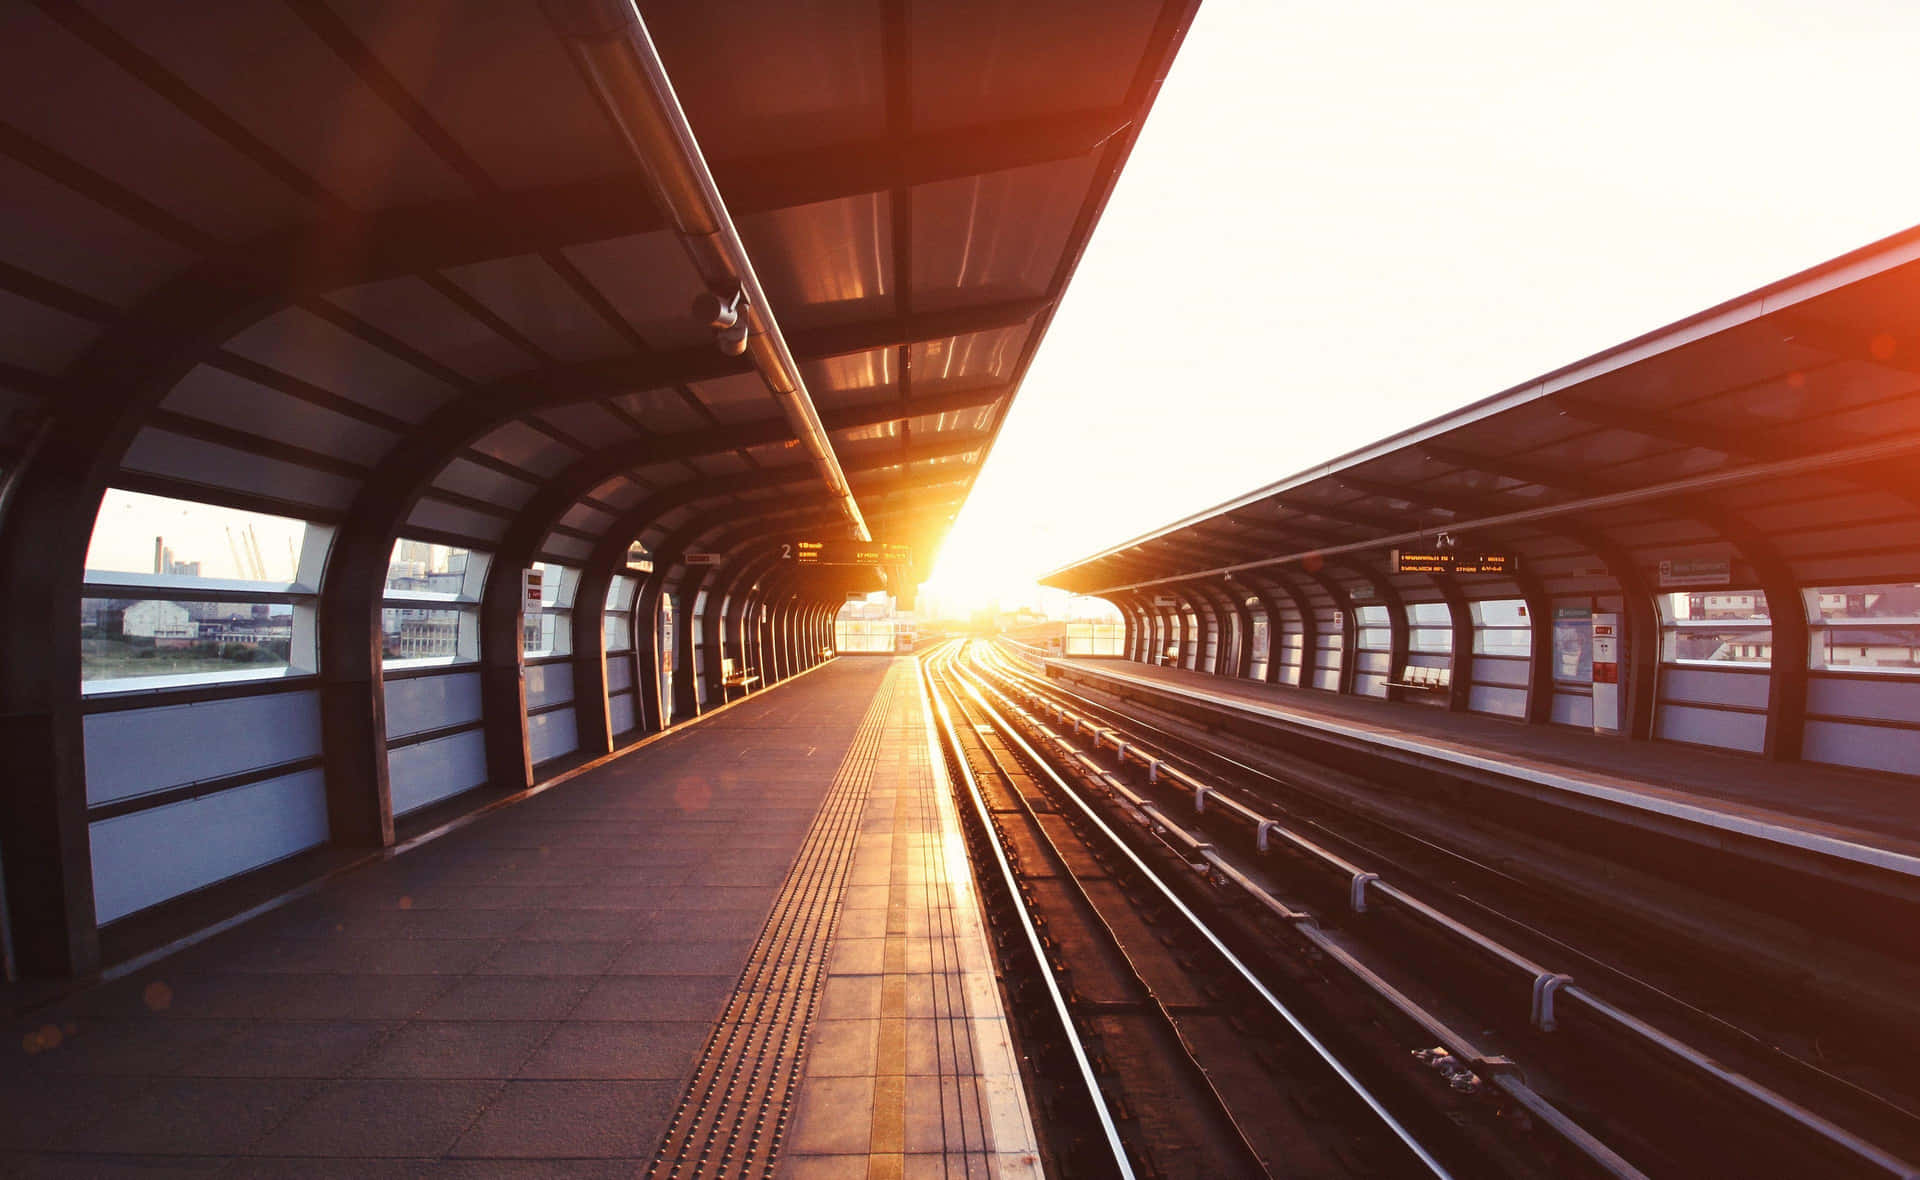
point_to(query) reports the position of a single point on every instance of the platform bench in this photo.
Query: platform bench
(1425, 679)
(743, 678)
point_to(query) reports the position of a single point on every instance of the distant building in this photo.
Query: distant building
(166, 623)
(425, 636)
(248, 630)
(1727, 606)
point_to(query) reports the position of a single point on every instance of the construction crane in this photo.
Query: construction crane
(239, 562)
(253, 547)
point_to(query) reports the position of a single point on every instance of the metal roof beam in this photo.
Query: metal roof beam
(1705, 436)
(1506, 467)
(348, 250)
(1365, 520)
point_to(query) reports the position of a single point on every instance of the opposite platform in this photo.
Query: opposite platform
(1831, 811)
(531, 993)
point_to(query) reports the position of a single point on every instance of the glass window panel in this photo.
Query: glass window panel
(1894, 601)
(1877, 649)
(1370, 616)
(1095, 639)
(1375, 639)
(864, 635)
(1719, 626)
(620, 592)
(549, 633)
(409, 633)
(136, 533)
(421, 567)
(1716, 606)
(1429, 614)
(1503, 641)
(1500, 612)
(1736, 645)
(1873, 628)
(616, 631)
(124, 639)
(556, 583)
(1430, 639)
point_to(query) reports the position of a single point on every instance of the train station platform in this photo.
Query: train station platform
(752, 940)
(1859, 817)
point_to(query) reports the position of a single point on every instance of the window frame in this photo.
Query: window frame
(301, 595)
(463, 603)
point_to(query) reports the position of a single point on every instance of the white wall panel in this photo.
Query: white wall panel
(1869, 747)
(1502, 702)
(1369, 685)
(142, 859)
(1494, 671)
(1575, 709)
(1887, 698)
(552, 734)
(420, 703)
(619, 673)
(1711, 727)
(135, 751)
(1712, 686)
(549, 684)
(620, 713)
(427, 772)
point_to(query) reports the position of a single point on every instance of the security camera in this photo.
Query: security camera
(722, 311)
(719, 309)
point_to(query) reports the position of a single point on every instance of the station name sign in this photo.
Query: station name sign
(1451, 562)
(847, 553)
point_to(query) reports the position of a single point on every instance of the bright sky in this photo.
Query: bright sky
(1344, 219)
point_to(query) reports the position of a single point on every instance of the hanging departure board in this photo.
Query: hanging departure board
(847, 553)
(1453, 562)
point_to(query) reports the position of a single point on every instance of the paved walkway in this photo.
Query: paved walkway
(528, 995)
(909, 1070)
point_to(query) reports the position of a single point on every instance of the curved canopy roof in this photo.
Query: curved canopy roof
(1778, 431)
(332, 258)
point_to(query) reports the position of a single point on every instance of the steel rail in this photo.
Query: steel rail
(938, 708)
(1239, 966)
(1752, 1090)
(1152, 1007)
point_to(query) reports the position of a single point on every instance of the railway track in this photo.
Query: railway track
(1185, 1060)
(1485, 1060)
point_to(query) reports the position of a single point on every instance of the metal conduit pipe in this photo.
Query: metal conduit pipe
(611, 46)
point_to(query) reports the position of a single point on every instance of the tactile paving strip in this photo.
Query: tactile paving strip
(731, 1119)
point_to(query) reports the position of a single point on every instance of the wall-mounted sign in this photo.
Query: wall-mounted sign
(530, 591)
(1163, 600)
(1573, 644)
(1364, 592)
(1405, 562)
(637, 559)
(700, 559)
(847, 553)
(1696, 572)
(1608, 651)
